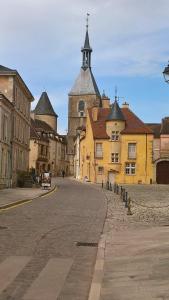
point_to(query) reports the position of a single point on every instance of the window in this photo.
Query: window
(81, 107)
(130, 168)
(132, 150)
(115, 135)
(99, 150)
(100, 170)
(114, 157)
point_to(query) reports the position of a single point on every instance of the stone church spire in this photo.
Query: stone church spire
(86, 50)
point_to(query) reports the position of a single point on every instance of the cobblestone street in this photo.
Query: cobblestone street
(137, 247)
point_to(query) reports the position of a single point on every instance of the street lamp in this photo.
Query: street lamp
(166, 74)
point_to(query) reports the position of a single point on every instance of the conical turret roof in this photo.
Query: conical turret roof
(44, 106)
(116, 113)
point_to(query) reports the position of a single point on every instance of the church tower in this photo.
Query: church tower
(83, 95)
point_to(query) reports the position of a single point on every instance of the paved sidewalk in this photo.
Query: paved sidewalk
(136, 254)
(10, 197)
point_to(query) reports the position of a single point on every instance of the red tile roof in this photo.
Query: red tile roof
(133, 124)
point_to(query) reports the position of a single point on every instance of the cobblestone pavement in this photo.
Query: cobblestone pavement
(137, 247)
(39, 256)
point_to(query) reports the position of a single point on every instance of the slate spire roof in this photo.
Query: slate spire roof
(116, 113)
(87, 43)
(44, 106)
(85, 83)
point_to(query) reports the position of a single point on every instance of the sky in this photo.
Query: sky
(42, 40)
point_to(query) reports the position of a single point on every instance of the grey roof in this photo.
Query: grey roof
(5, 69)
(116, 113)
(87, 43)
(85, 84)
(44, 106)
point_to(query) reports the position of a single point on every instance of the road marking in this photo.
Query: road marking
(50, 192)
(26, 201)
(16, 205)
(10, 268)
(50, 281)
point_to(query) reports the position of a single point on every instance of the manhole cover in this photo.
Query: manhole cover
(83, 244)
(3, 227)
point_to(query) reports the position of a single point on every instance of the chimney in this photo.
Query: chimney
(95, 113)
(125, 105)
(105, 101)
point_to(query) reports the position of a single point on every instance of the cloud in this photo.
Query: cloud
(42, 39)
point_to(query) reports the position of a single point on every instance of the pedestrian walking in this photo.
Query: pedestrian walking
(63, 173)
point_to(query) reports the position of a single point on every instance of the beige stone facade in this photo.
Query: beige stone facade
(14, 88)
(6, 114)
(48, 149)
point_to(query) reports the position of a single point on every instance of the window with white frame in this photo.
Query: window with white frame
(99, 150)
(130, 168)
(132, 150)
(115, 135)
(100, 170)
(115, 157)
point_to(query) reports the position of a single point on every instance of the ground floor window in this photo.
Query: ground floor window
(130, 168)
(100, 170)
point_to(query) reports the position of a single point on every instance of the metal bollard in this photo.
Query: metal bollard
(126, 200)
(110, 186)
(114, 188)
(129, 207)
(102, 184)
(124, 193)
(117, 189)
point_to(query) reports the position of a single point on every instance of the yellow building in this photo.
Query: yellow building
(116, 147)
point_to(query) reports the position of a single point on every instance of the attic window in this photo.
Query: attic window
(115, 135)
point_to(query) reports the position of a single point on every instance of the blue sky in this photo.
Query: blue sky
(42, 39)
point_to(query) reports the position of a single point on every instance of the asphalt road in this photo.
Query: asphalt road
(39, 254)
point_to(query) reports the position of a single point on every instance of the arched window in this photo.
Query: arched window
(81, 107)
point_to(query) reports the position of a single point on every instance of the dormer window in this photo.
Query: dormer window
(115, 136)
(81, 107)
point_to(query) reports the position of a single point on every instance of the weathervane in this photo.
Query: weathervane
(116, 93)
(87, 21)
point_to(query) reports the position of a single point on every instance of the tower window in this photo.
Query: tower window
(81, 107)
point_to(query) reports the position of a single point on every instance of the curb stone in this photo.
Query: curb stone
(95, 288)
(8, 205)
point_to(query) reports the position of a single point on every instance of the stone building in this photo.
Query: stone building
(161, 151)
(84, 94)
(48, 149)
(6, 115)
(15, 90)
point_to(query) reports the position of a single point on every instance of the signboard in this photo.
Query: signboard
(46, 179)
